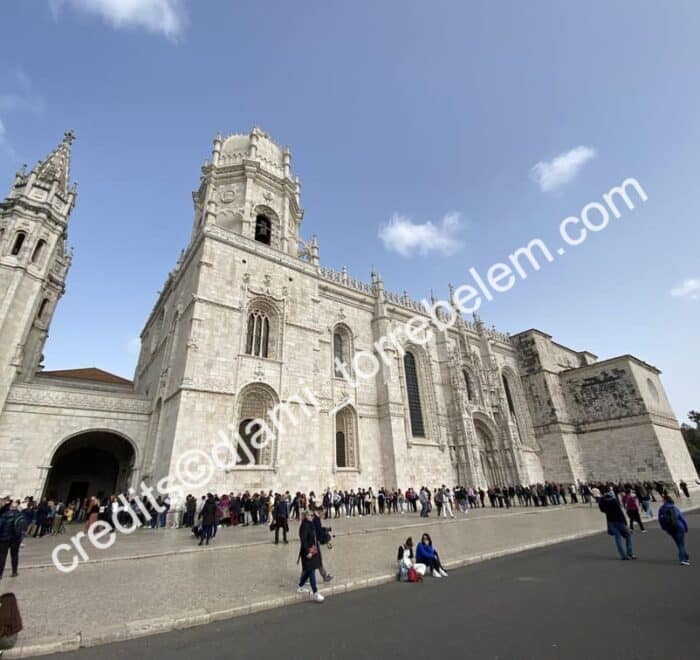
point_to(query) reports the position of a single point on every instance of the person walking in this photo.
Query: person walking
(675, 525)
(208, 518)
(12, 528)
(310, 557)
(617, 524)
(280, 513)
(629, 501)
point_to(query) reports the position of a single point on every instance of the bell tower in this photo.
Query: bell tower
(247, 188)
(34, 261)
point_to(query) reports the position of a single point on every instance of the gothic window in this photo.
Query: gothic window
(468, 383)
(38, 251)
(342, 350)
(256, 429)
(258, 334)
(345, 438)
(340, 449)
(19, 242)
(248, 454)
(509, 398)
(338, 353)
(263, 229)
(413, 393)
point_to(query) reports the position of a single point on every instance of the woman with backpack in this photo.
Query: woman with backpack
(428, 555)
(674, 524)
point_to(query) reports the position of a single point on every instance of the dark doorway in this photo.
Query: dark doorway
(95, 463)
(263, 229)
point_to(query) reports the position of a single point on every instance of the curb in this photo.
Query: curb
(188, 619)
(515, 511)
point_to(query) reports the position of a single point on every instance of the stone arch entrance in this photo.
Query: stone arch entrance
(90, 463)
(495, 463)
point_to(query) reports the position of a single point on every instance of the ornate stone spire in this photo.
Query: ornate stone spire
(56, 166)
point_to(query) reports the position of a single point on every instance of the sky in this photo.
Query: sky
(430, 139)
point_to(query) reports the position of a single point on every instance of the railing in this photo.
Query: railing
(342, 277)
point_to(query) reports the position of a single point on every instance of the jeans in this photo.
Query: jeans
(679, 538)
(309, 575)
(620, 531)
(646, 505)
(424, 509)
(281, 524)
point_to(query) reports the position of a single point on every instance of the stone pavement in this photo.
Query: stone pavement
(152, 582)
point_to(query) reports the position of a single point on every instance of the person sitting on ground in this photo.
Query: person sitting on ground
(428, 555)
(405, 559)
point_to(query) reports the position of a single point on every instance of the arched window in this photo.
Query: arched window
(340, 458)
(42, 308)
(413, 392)
(509, 398)
(338, 353)
(258, 334)
(38, 251)
(19, 242)
(263, 229)
(248, 454)
(345, 449)
(468, 383)
(342, 351)
(256, 429)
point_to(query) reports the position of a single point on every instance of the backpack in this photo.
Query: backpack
(668, 519)
(412, 575)
(19, 526)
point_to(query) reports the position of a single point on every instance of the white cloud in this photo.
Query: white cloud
(689, 288)
(166, 17)
(17, 96)
(406, 237)
(562, 168)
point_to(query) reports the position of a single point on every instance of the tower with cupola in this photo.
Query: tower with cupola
(34, 261)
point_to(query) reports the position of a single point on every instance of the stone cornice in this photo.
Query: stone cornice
(37, 395)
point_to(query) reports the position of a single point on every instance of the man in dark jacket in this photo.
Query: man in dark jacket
(617, 523)
(12, 526)
(675, 525)
(208, 517)
(280, 513)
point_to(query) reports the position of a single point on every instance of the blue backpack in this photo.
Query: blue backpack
(668, 519)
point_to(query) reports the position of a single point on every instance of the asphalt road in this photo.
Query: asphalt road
(573, 600)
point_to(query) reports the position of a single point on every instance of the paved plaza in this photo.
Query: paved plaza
(573, 600)
(157, 581)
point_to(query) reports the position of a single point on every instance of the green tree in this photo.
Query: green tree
(692, 437)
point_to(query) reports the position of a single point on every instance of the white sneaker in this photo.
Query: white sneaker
(437, 574)
(685, 563)
(444, 572)
(317, 597)
(303, 590)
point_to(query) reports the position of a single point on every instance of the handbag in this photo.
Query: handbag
(313, 551)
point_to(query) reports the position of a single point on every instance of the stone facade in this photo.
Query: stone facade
(248, 324)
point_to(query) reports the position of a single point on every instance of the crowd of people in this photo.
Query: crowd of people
(622, 503)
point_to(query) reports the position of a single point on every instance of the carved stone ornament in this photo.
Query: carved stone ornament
(227, 196)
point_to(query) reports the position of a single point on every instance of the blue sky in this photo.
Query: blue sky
(409, 110)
